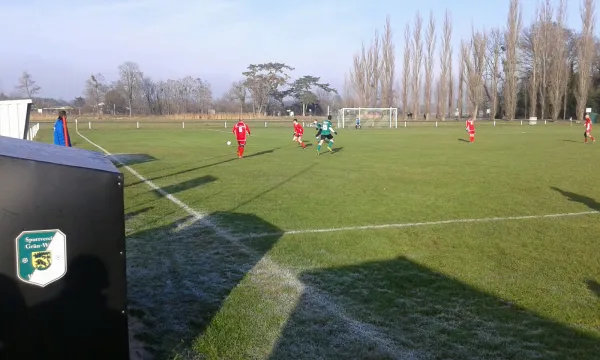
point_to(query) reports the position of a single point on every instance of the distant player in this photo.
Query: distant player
(326, 130)
(318, 127)
(588, 130)
(298, 132)
(470, 127)
(241, 130)
(357, 126)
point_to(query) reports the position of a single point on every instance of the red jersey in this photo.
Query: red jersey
(298, 129)
(471, 125)
(588, 125)
(240, 130)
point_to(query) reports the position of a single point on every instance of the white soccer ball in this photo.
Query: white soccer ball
(229, 143)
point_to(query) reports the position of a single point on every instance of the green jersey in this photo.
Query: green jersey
(326, 128)
(318, 126)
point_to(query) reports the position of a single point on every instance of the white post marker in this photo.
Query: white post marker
(183, 124)
(405, 124)
(90, 125)
(436, 124)
(225, 124)
(265, 124)
(521, 122)
(138, 124)
(494, 122)
(76, 128)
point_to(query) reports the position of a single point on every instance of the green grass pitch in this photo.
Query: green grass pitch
(265, 257)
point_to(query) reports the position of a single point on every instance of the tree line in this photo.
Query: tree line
(544, 69)
(264, 89)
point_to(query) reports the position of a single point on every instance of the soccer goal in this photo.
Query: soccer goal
(369, 117)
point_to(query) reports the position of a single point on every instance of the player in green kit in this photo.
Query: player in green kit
(318, 127)
(326, 130)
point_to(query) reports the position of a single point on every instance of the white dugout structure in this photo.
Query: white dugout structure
(14, 119)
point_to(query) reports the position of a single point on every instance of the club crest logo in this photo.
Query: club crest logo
(41, 256)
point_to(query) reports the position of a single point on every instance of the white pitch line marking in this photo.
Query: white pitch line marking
(365, 330)
(415, 224)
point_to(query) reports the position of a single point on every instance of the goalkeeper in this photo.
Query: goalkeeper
(326, 130)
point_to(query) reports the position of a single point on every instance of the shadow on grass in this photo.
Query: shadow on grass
(594, 287)
(132, 214)
(337, 149)
(573, 141)
(246, 156)
(587, 201)
(131, 159)
(180, 275)
(405, 310)
(186, 185)
(463, 140)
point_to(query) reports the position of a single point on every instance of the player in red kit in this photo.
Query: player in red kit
(298, 132)
(588, 130)
(241, 130)
(470, 125)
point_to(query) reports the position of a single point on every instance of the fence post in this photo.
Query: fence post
(76, 128)
(521, 122)
(90, 125)
(545, 123)
(405, 124)
(138, 124)
(183, 124)
(494, 122)
(436, 124)
(265, 124)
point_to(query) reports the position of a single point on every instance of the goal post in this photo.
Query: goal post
(369, 117)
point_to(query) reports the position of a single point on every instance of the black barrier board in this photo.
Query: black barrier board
(62, 254)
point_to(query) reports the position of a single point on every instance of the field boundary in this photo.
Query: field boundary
(284, 275)
(416, 224)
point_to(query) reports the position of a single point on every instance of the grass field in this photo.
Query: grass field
(403, 244)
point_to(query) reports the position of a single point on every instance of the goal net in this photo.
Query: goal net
(369, 117)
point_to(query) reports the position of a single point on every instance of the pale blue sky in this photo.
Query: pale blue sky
(62, 42)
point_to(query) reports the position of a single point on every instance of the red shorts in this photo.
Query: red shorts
(241, 141)
(471, 132)
(298, 135)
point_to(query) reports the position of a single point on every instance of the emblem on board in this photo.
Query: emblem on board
(41, 256)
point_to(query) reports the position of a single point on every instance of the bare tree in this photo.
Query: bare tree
(27, 85)
(359, 76)
(531, 45)
(473, 55)
(388, 65)
(585, 55)
(95, 91)
(445, 64)
(545, 49)
(373, 71)
(429, 61)
(348, 93)
(493, 63)
(417, 58)
(238, 93)
(511, 41)
(461, 81)
(450, 85)
(130, 76)
(406, 71)
(558, 68)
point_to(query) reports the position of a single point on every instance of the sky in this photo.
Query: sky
(62, 42)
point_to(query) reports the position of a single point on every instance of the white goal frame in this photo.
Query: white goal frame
(393, 116)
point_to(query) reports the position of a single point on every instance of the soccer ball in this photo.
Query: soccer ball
(229, 143)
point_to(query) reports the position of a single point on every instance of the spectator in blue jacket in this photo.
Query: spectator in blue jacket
(61, 132)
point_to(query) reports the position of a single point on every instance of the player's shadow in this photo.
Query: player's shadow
(196, 168)
(587, 201)
(594, 287)
(132, 214)
(79, 322)
(180, 275)
(15, 325)
(463, 140)
(337, 149)
(573, 141)
(396, 309)
(186, 185)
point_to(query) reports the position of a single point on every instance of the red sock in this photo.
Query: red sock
(471, 138)
(241, 151)
(302, 143)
